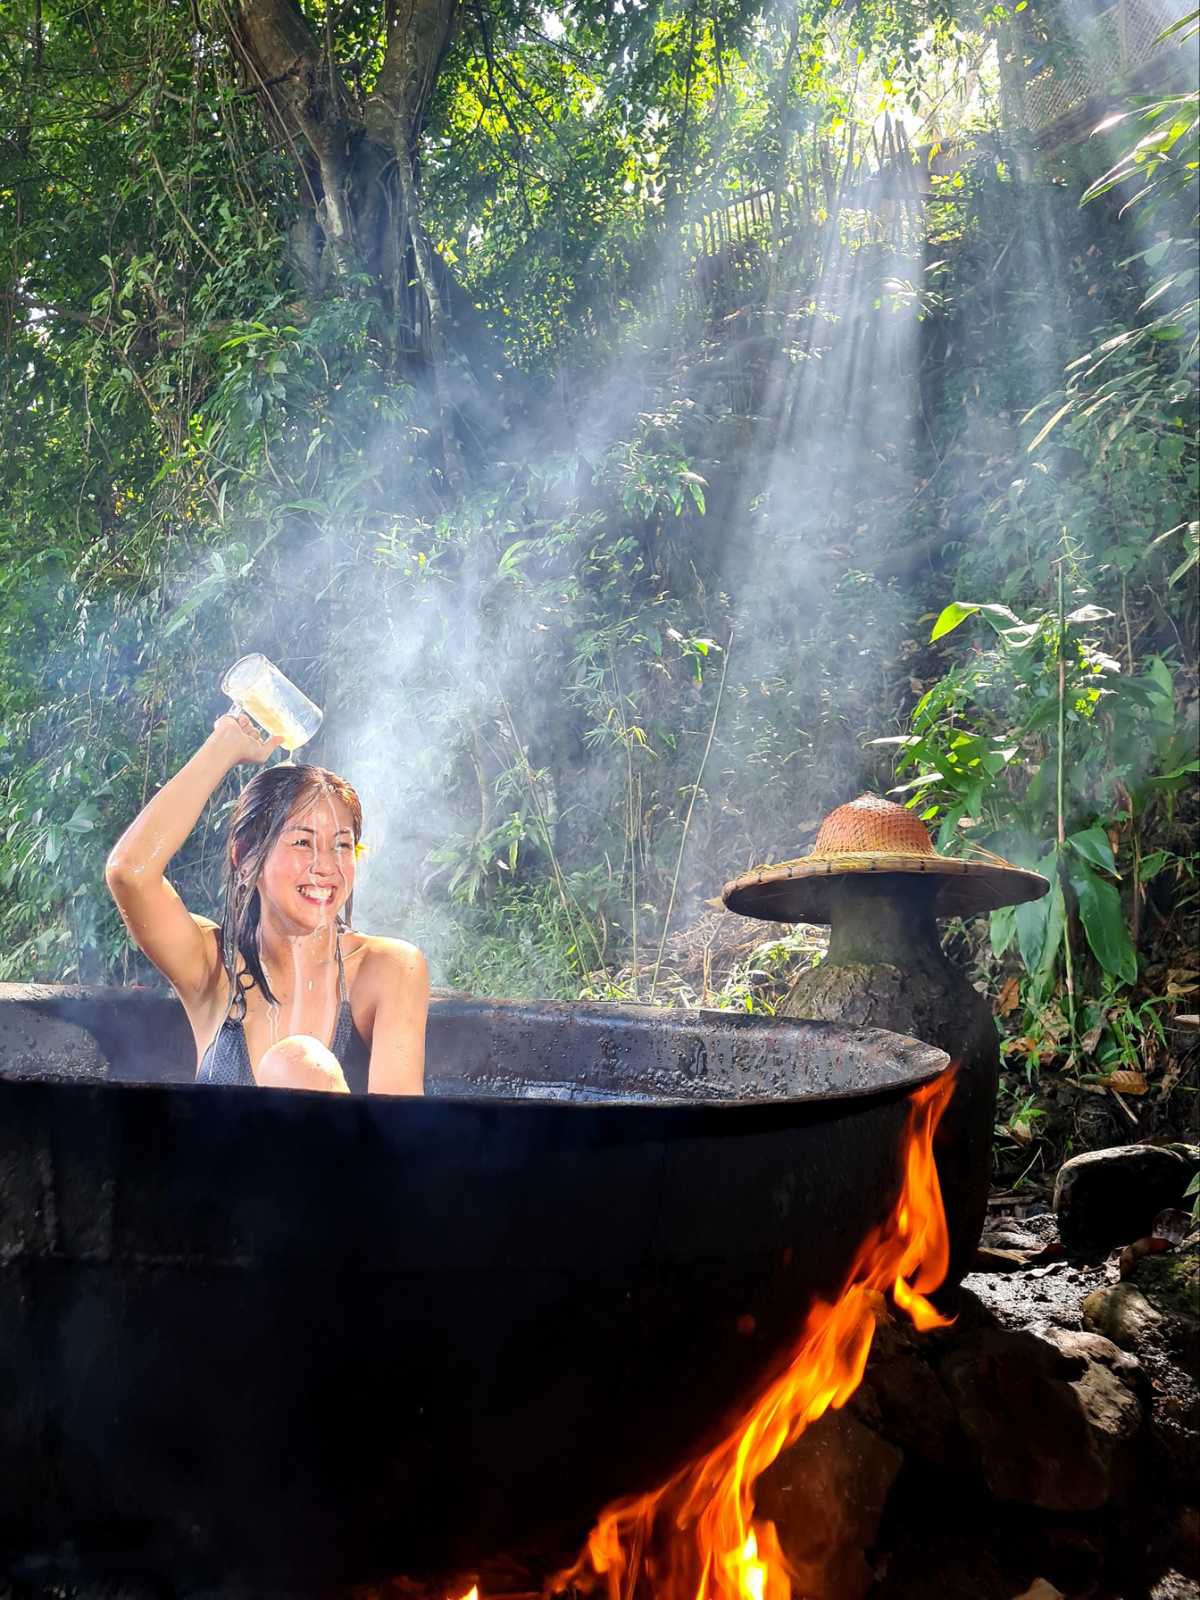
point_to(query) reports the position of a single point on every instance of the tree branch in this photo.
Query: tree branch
(305, 97)
(419, 36)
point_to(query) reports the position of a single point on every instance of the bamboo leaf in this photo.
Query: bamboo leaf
(1002, 928)
(1086, 614)
(1050, 426)
(959, 610)
(1056, 921)
(1092, 844)
(1030, 920)
(950, 618)
(1103, 922)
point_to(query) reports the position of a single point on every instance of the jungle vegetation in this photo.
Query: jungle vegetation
(641, 426)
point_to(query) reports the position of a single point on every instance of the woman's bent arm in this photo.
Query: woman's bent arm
(157, 919)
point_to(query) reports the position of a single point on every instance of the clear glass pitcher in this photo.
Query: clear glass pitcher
(257, 687)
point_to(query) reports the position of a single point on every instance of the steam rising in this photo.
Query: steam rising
(790, 371)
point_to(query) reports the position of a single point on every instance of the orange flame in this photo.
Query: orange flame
(696, 1538)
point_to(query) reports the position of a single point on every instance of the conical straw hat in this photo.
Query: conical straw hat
(876, 837)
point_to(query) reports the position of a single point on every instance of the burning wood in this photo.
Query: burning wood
(696, 1537)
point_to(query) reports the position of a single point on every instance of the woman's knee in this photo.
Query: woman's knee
(301, 1062)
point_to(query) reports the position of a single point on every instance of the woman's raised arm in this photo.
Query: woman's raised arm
(158, 921)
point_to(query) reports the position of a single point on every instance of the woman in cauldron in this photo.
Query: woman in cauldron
(283, 994)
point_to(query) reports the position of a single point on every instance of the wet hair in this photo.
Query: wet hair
(260, 816)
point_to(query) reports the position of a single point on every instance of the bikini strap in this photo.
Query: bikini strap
(236, 992)
(343, 994)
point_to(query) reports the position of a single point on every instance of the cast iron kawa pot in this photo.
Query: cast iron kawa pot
(300, 1338)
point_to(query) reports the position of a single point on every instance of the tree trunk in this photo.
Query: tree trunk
(357, 158)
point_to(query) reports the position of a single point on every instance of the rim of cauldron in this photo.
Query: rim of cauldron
(887, 1061)
(880, 1061)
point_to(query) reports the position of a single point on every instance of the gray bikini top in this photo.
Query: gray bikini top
(227, 1059)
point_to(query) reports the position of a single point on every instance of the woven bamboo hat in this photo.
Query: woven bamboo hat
(876, 837)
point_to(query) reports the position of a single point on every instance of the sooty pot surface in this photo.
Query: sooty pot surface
(292, 1337)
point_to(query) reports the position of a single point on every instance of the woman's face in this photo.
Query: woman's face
(308, 875)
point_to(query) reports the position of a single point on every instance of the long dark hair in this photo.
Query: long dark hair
(259, 817)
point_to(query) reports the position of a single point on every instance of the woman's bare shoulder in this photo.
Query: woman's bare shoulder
(386, 955)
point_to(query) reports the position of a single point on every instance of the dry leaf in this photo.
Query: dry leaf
(1008, 998)
(1024, 1046)
(1126, 1082)
(1091, 1039)
(1054, 1025)
(1133, 1253)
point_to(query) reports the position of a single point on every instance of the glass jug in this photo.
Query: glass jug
(257, 687)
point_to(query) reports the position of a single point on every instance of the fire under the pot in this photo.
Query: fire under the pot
(697, 1537)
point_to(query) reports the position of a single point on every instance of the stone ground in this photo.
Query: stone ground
(1029, 1455)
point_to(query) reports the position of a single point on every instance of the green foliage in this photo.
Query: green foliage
(524, 948)
(984, 749)
(1143, 372)
(1109, 489)
(723, 361)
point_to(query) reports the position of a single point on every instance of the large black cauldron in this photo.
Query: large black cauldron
(296, 1337)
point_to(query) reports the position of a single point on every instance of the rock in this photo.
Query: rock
(1108, 1197)
(1042, 1223)
(1169, 1350)
(1170, 1281)
(826, 1495)
(1055, 1417)
(1009, 1238)
(942, 1565)
(1175, 1586)
(1121, 1313)
(1187, 1534)
(1048, 1293)
(902, 1399)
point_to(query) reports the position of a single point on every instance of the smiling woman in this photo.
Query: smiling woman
(284, 994)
